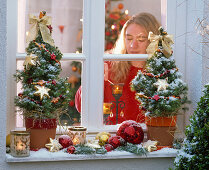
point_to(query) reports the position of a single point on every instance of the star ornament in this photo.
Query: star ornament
(42, 91)
(54, 145)
(161, 84)
(30, 60)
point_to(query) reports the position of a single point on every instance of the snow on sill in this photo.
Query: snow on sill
(43, 155)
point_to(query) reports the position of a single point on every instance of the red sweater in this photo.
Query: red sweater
(131, 110)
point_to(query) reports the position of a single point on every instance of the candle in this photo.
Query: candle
(77, 134)
(107, 108)
(117, 89)
(20, 143)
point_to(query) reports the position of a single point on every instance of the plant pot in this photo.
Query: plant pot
(161, 129)
(40, 131)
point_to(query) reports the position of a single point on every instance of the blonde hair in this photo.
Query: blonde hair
(120, 69)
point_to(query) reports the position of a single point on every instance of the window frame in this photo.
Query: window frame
(93, 66)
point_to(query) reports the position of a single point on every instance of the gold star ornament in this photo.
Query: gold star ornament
(54, 145)
(41, 91)
(161, 84)
(30, 60)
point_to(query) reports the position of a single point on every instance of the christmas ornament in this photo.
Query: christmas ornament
(55, 100)
(161, 84)
(131, 132)
(103, 138)
(74, 68)
(150, 145)
(30, 60)
(42, 91)
(72, 103)
(108, 147)
(54, 145)
(71, 150)
(93, 144)
(120, 6)
(156, 97)
(116, 141)
(65, 141)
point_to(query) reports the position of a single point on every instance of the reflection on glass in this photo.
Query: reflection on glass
(66, 24)
(117, 91)
(118, 12)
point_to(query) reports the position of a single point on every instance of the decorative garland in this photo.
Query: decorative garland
(156, 97)
(159, 75)
(42, 46)
(42, 82)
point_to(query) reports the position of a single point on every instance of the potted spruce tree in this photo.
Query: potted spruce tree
(45, 95)
(160, 90)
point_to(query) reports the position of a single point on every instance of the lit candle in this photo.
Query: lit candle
(20, 143)
(78, 134)
(107, 108)
(117, 90)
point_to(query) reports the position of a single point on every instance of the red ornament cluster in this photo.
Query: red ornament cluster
(116, 141)
(131, 132)
(65, 141)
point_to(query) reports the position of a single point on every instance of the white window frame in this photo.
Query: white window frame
(93, 58)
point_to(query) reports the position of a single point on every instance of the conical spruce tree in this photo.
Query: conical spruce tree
(159, 87)
(44, 94)
(195, 152)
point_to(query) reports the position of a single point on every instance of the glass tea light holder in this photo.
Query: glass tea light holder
(20, 143)
(77, 134)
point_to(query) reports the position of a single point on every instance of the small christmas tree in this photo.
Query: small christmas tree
(44, 93)
(114, 21)
(159, 88)
(195, 152)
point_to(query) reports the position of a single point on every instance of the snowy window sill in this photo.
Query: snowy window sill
(44, 155)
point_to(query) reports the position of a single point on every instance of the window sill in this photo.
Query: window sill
(44, 156)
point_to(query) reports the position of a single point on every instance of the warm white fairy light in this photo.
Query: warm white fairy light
(126, 12)
(77, 52)
(27, 33)
(81, 19)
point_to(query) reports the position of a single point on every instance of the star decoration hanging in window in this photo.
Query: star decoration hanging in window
(161, 84)
(30, 60)
(42, 91)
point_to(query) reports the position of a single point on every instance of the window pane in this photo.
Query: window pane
(119, 101)
(71, 69)
(118, 12)
(66, 22)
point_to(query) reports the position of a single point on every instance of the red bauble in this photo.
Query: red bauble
(131, 132)
(120, 6)
(65, 141)
(71, 103)
(71, 149)
(116, 141)
(108, 147)
(109, 46)
(107, 33)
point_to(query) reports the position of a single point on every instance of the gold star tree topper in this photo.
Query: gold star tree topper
(54, 145)
(42, 91)
(30, 60)
(161, 84)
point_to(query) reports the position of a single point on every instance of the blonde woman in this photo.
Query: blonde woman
(133, 39)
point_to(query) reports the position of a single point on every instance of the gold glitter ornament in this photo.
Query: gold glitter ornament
(41, 91)
(30, 60)
(54, 145)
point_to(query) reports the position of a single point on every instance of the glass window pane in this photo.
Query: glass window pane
(71, 69)
(118, 12)
(66, 22)
(119, 101)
